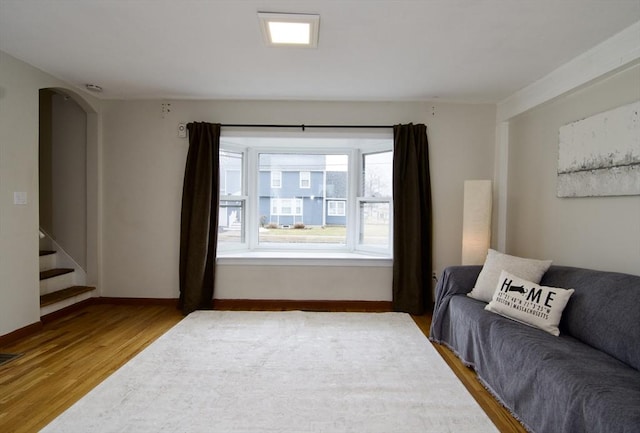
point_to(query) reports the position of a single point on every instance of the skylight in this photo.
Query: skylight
(290, 29)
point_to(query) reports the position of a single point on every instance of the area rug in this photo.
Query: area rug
(284, 372)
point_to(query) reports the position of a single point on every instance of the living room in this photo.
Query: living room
(136, 161)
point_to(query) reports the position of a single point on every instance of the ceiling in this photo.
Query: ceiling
(369, 50)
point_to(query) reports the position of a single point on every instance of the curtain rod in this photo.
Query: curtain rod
(303, 126)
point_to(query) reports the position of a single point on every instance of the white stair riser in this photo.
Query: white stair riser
(65, 303)
(57, 283)
(47, 262)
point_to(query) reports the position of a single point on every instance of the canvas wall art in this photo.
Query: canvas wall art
(600, 155)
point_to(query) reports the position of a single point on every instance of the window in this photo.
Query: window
(286, 206)
(374, 205)
(276, 179)
(305, 179)
(336, 208)
(231, 217)
(334, 195)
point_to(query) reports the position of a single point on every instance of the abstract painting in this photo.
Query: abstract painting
(600, 155)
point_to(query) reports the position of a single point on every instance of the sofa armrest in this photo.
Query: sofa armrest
(455, 280)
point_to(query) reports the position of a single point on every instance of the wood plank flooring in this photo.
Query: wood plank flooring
(71, 355)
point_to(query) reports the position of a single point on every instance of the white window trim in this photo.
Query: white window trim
(301, 258)
(240, 246)
(361, 199)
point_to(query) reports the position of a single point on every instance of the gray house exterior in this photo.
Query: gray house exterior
(297, 188)
(292, 188)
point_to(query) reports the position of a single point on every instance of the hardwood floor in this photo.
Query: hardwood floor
(500, 416)
(71, 355)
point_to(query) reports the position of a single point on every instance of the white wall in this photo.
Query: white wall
(593, 232)
(143, 164)
(334, 283)
(19, 101)
(69, 177)
(18, 172)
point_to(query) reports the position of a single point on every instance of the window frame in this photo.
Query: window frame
(307, 178)
(373, 199)
(251, 173)
(276, 181)
(337, 211)
(242, 197)
(295, 204)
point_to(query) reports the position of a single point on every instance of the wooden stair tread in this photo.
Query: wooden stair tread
(46, 252)
(61, 295)
(50, 273)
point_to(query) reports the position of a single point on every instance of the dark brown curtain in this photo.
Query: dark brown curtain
(199, 219)
(411, 220)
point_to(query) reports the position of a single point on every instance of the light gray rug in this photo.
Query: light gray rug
(285, 372)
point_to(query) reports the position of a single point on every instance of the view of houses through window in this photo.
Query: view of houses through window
(335, 199)
(299, 211)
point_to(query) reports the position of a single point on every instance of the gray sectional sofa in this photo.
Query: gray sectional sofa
(587, 380)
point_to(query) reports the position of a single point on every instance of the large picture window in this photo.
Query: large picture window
(301, 193)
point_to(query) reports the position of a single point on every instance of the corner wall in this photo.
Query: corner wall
(592, 232)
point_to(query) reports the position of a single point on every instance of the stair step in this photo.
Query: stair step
(61, 295)
(48, 260)
(50, 273)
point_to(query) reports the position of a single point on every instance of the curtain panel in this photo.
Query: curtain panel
(199, 217)
(412, 225)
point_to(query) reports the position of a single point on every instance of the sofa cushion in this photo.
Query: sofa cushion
(529, 303)
(496, 262)
(604, 310)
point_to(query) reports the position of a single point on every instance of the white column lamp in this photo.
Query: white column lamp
(476, 224)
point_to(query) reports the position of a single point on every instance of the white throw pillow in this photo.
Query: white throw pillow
(529, 303)
(496, 262)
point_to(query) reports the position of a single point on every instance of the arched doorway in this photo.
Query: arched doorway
(68, 199)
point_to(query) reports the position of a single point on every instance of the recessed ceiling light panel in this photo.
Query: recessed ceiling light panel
(299, 30)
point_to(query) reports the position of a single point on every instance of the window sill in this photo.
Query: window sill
(302, 258)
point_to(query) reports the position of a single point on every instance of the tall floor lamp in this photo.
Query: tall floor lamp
(476, 225)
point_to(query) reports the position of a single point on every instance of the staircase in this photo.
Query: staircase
(59, 286)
